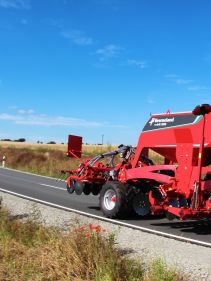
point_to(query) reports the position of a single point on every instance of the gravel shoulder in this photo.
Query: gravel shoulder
(193, 260)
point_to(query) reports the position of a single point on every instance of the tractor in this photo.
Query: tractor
(177, 182)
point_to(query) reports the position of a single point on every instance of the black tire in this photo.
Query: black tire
(119, 208)
(79, 187)
(71, 189)
(87, 188)
(95, 189)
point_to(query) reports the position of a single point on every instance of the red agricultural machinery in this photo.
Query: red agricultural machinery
(128, 180)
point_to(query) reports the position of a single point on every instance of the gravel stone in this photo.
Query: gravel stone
(191, 260)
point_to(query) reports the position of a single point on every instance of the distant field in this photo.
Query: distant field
(62, 147)
(6, 144)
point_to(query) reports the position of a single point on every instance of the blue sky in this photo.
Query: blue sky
(100, 67)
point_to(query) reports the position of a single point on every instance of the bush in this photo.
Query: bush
(20, 140)
(6, 140)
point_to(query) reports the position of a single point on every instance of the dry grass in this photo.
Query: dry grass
(29, 251)
(87, 149)
(44, 159)
(32, 146)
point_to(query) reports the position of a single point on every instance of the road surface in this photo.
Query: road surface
(50, 191)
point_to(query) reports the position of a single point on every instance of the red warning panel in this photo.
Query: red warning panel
(74, 146)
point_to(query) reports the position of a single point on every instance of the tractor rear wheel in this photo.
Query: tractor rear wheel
(113, 200)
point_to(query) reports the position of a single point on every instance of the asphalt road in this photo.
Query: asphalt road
(49, 190)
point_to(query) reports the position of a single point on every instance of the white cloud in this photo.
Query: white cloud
(108, 51)
(15, 4)
(183, 81)
(171, 76)
(9, 117)
(197, 88)
(25, 111)
(28, 117)
(190, 83)
(178, 80)
(77, 37)
(138, 63)
(59, 23)
(108, 125)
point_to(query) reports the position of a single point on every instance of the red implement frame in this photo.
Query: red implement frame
(74, 146)
(182, 180)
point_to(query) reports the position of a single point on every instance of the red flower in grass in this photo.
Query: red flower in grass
(90, 229)
(91, 226)
(87, 234)
(80, 229)
(98, 228)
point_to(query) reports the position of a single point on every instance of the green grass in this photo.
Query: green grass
(159, 271)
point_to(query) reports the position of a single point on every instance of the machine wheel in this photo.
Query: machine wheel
(71, 188)
(113, 200)
(79, 187)
(95, 189)
(141, 204)
(87, 188)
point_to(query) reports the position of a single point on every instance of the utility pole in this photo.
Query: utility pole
(102, 139)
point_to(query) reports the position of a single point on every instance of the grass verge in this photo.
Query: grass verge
(47, 160)
(30, 251)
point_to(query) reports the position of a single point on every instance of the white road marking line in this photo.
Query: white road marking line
(28, 173)
(15, 177)
(24, 180)
(168, 235)
(56, 187)
(11, 176)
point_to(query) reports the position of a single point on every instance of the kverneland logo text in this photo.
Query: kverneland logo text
(161, 121)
